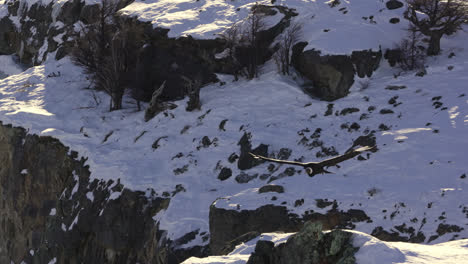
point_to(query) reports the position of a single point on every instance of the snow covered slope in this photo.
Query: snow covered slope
(349, 26)
(417, 178)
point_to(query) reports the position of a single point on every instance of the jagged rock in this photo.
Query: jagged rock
(7, 36)
(400, 234)
(332, 75)
(246, 161)
(393, 56)
(245, 178)
(56, 211)
(366, 62)
(349, 111)
(310, 245)
(231, 245)
(394, 4)
(226, 225)
(271, 188)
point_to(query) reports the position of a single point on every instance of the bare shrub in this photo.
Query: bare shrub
(254, 24)
(282, 56)
(232, 37)
(107, 51)
(412, 51)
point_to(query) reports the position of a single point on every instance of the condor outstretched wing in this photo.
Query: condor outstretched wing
(348, 155)
(280, 161)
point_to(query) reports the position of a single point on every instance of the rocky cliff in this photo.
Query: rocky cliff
(51, 210)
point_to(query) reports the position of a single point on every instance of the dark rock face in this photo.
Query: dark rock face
(366, 62)
(310, 245)
(246, 161)
(332, 75)
(227, 225)
(176, 62)
(7, 36)
(51, 207)
(394, 4)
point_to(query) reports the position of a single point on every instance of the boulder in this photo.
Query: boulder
(310, 245)
(331, 75)
(366, 62)
(227, 225)
(56, 211)
(394, 4)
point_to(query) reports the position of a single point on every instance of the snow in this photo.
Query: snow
(53, 261)
(242, 252)
(8, 66)
(416, 165)
(24, 171)
(371, 251)
(325, 28)
(53, 211)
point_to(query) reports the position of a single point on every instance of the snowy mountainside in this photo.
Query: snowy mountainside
(360, 24)
(416, 179)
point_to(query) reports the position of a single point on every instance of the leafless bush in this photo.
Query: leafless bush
(107, 51)
(255, 24)
(282, 56)
(412, 51)
(232, 37)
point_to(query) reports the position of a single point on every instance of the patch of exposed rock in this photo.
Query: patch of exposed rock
(310, 245)
(51, 208)
(228, 225)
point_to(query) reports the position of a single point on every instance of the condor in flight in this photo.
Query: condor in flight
(313, 168)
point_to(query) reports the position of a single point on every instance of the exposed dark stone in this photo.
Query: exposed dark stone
(395, 87)
(394, 20)
(226, 225)
(349, 111)
(231, 245)
(225, 174)
(233, 157)
(394, 4)
(329, 110)
(386, 111)
(271, 188)
(366, 62)
(284, 153)
(310, 245)
(393, 56)
(8, 36)
(246, 161)
(321, 203)
(245, 178)
(331, 75)
(55, 210)
(404, 234)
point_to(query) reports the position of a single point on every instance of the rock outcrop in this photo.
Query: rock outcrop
(52, 210)
(228, 225)
(332, 75)
(310, 245)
